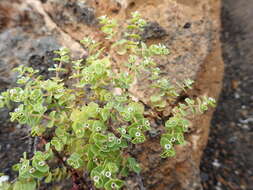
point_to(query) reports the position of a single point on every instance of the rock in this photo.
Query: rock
(33, 29)
(153, 31)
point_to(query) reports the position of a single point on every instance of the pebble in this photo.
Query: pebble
(18, 126)
(246, 121)
(218, 187)
(187, 25)
(244, 107)
(246, 127)
(4, 178)
(216, 163)
(232, 139)
(237, 95)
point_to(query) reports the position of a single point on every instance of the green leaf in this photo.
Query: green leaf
(36, 173)
(96, 175)
(24, 185)
(17, 94)
(166, 143)
(113, 184)
(93, 150)
(98, 126)
(168, 153)
(79, 129)
(91, 165)
(100, 140)
(49, 178)
(2, 102)
(145, 124)
(180, 138)
(124, 172)
(5, 186)
(111, 140)
(172, 122)
(16, 167)
(75, 161)
(123, 133)
(62, 134)
(91, 110)
(139, 139)
(134, 132)
(56, 142)
(133, 165)
(23, 80)
(119, 42)
(155, 98)
(136, 108)
(105, 114)
(40, 165)
(24, 169)
(112, 167)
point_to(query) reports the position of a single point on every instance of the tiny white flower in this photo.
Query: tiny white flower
(123, 131)
(41, 163)
(16, 109)
(137, 134)
(113, 185)
(86, 125)
(110, 139)
(108, 174)
(96, 178)
(139, 127)
(32, 170)
(98, 128)
(60, 90)
(130, 109)
(23, 167)
(13, 91)
(173, 139)
(86, 78)
(118, 141)
(102, 17)
(167, 146)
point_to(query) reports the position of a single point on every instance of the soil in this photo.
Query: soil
(227, 162)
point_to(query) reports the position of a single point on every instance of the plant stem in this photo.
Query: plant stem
(78, 182)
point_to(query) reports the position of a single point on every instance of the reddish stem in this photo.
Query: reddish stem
(77, 180)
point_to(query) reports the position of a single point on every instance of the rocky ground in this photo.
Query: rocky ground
(227, 162)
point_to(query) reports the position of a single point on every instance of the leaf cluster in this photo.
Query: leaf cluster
(85, 125)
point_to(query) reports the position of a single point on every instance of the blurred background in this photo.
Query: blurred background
(228, 158)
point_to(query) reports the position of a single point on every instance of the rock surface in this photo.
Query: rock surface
(31, 29)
